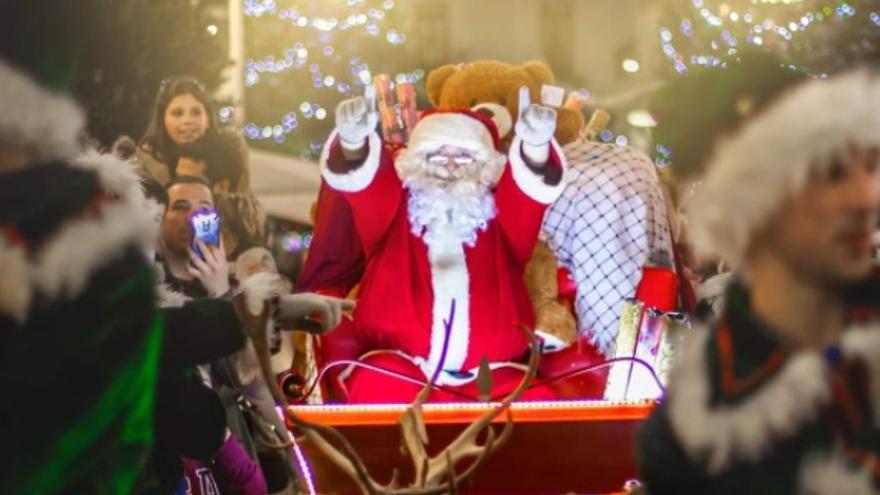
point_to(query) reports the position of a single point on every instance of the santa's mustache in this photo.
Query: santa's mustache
(460, 209)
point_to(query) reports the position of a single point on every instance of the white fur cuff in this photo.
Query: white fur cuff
(356, 180)
(531, 183)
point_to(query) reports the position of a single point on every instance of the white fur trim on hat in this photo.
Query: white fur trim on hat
(770, 159)
(117, 176)
(450, 129)
(43, 122)
(358, 179)
(531, 183)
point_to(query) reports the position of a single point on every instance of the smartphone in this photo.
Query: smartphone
(205, 226)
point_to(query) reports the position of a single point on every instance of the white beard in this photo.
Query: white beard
(439, 209)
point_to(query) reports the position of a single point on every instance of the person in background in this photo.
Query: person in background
(234, 376)
(217, 158)
(184, 271)
(244, 223)
(182, 115)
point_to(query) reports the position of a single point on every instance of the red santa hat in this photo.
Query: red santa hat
(461, 128)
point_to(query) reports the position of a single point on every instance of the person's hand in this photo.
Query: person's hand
(213, 271)
(356, 118)
(536, 124)
(294, 308)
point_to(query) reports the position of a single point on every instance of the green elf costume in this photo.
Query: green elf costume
(79, 331)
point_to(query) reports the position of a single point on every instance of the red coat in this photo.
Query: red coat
(404, 299)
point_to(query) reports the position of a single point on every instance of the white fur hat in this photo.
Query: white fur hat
(44, 122)
(769, 159)
(462, 129)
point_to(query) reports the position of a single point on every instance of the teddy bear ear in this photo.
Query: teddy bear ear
(436, 79)
(539, 71)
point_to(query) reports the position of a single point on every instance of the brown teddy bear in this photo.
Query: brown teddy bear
(492, 87)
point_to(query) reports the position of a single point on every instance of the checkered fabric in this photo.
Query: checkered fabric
(608, 223)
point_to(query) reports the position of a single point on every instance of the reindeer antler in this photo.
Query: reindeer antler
(430, 471)
(433, 475)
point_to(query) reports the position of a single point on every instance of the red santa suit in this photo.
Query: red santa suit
(412, 278)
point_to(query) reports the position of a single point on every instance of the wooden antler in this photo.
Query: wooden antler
(434, 475)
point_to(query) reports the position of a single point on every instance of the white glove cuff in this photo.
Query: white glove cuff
(352, 146)
(539, 154)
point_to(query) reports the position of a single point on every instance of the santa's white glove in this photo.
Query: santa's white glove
(536, 124)
(295, 308)
(356, 118)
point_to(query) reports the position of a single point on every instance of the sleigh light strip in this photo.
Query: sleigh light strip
(451, 413)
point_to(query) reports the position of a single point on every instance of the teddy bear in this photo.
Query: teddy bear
(492, 87)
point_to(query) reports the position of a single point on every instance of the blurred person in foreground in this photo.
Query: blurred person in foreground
(82, 340)
(777, 394)
(80, 334)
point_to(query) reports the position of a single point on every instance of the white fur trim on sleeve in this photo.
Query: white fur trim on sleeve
(15, 286)
(719, 435)
(358, 179)
(531, 183)
(44, 122)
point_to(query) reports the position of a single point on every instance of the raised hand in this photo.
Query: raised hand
(536, 124)
(356, 118)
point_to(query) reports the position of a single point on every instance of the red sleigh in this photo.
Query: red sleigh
(580, 445)
(591, 441)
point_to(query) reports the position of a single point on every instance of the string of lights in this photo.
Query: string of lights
(758, 24)
(315, 53)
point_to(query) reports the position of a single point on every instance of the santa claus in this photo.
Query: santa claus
(449, 223)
